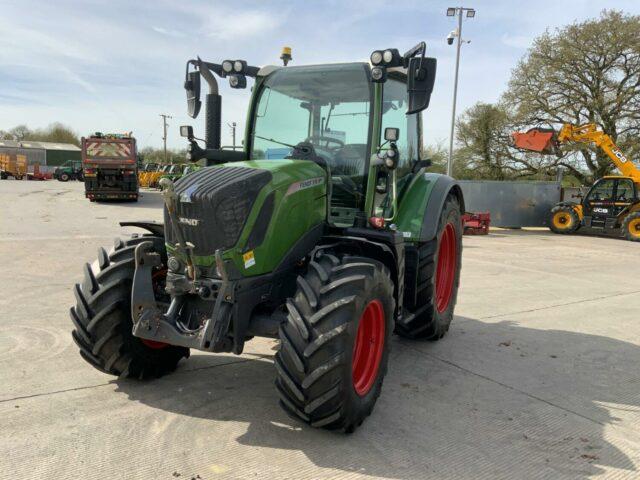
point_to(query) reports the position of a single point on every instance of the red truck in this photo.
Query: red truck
(110, 167)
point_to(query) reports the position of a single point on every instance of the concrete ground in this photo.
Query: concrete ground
(538, 377)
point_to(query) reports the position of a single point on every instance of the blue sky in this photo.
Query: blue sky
(115, 65)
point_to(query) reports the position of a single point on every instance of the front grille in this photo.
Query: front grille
(214, 204)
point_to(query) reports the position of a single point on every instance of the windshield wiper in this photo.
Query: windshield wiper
(274, 141)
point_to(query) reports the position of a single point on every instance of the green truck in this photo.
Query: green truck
(326, 232)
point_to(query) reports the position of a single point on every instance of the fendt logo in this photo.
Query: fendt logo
(620, 156)
(192, 222)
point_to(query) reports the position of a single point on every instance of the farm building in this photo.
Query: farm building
(48, 155)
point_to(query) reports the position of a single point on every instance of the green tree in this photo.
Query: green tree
(56, 132)
(584, 72)
(156, 155)
(483, 152)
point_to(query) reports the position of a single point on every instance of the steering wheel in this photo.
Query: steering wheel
(322, 138)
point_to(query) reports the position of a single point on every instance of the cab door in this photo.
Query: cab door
(599, 204)
(625, 195)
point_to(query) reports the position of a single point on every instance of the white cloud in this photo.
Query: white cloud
(517, 41)
(232, 25)
(167, 32)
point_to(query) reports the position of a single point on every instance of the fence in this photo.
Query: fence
(512, 204)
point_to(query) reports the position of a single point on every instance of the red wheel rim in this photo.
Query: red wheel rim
(446, 270)
(368, 347)
(155, 278)
(153, 344)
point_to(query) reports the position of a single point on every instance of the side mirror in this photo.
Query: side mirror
(192, 86)
(391, 134)
(421, 77)
(186, 131)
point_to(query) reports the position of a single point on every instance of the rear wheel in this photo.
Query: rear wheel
(439, 263)
(563, 220)
(334, 345)
(631, 227)
(102, 316)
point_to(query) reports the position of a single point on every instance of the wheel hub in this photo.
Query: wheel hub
(368, 347)
(446, 269)
(562, 220)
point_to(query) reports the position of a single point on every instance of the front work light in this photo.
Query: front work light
(237, 81)
(238, 66)
(376, 57)
(378, 74)
(227, 66)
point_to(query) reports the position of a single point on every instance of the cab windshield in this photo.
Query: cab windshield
(326, 106)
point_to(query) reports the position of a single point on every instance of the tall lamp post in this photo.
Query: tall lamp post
(456, 34)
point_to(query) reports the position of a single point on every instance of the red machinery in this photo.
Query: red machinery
(476, 223)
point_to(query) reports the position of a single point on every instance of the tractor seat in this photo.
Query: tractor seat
(350, 159)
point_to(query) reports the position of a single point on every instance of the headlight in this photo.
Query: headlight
(377, 74)
(174, 264)
(238, 66)
(387, 56)
(376, 57)
(233, 81)
(227, 66)
(390, 163)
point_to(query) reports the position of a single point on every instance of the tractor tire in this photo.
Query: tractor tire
(439, 264)
(64, 177)
(631, 227)
(102, 317)
(563, 220)
(334, 346)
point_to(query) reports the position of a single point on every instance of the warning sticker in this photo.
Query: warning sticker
(249, 259)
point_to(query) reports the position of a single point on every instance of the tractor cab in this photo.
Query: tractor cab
(607, 199)
(360, 122)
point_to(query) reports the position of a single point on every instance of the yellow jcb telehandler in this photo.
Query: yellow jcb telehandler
(612, 203)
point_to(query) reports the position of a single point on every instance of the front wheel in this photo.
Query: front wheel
(631, 227)
(563, 220)
(64, 177)
(334, 346)
(102, 316)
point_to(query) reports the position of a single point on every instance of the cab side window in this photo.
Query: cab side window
(602, 192)
(394, 108)
(625, 191)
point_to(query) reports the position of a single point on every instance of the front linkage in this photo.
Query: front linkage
(151, 323)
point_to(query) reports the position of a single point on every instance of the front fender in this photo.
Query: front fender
(420, 205)
(577, 207)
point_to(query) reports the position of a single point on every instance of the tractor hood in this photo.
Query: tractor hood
(253, 211)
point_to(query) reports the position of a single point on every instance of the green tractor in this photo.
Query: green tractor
(69, 170)
(178, 171)
(325, 232)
